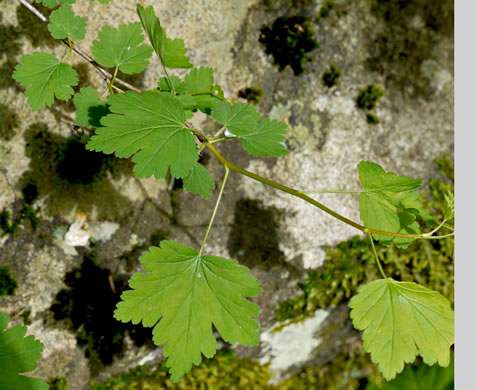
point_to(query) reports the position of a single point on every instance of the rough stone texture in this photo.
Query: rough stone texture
(327, 137)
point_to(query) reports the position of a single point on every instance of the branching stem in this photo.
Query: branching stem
(215, 209)
(306, 198)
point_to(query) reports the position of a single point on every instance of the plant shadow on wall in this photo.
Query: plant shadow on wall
(409, 32)
(86, 307)
(68, 176)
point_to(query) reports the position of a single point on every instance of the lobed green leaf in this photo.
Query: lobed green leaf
(259, 139)
(400, 321)
(151, 126)
(182, 295)
(46, 78)
(54, 3)
(171, 52)
(18, 355)
(389, 203)
(199, 181)
(122, 48)
(89, 107)
(64, 24)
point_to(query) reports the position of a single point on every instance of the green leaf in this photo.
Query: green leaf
(421, 377)
(122, 47)
(197, 80)
(164, 83)
(199, 181)
(54, 3)
(187, 293)
(64, 24)
(18, 355)
(389, 203)
(401, 320)
(102, 1)
(89, 107)
(449, 208)
(259, 139)
(238, 118)
(152, 126)
(171, 52)
(46, 77)
(265, 139)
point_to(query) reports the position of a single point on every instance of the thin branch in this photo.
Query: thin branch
(106, 75)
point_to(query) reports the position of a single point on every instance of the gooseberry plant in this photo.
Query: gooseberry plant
(185, 292)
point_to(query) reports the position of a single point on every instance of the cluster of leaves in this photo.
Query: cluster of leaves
(184, 294)
(350, 263)
(288, 41)
(224, 371)
(346, 267)
(18, 355)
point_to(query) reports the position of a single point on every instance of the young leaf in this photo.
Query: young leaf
(46, 77)
(171, 52)
(152, 126)
(18, 354)
(389, 203)
(449, 208)
(199, 85)
(89, 107)
(164, 83)
(122, 47)
(258, 139)
(199, 181)
(401, 320)
(64, 24)
(197, 80)
(183, 295)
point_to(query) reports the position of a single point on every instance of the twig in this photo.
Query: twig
(106, 75)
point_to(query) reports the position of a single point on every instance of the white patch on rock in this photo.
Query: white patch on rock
(293, 344)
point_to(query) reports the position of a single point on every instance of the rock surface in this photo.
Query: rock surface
(409, 54)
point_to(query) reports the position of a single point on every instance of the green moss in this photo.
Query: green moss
(7, 227)
(326, 9)
(351, 263)
(252, 94)
(288, 41)
(372, 119)
(368, 97)
(347, 371)
(224, 371)
(7, 283)
(58, 383)
(331, 76)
